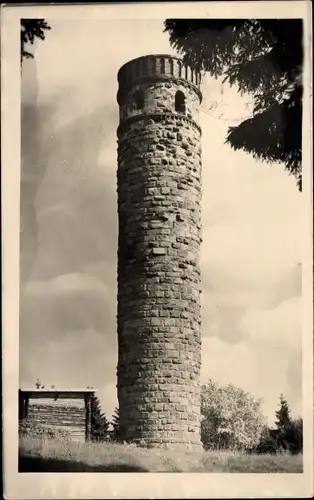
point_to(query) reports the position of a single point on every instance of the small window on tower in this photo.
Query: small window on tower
(180, 102)
(139, 100)
(171, 67)
(179, 69)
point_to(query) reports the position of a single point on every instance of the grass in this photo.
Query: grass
(47, 455)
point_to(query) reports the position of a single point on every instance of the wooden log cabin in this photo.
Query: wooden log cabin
(68, 410)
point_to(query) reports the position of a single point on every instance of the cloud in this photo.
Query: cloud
(72, 309)
(281, 326)
(72, 222)
(222, 320)
(294, 391)
(233, 304)
(74, 361)
(74, 302)
(290, 286)
(35, 146)
(66, 285)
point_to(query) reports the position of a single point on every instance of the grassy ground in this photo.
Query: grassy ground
(38, 455)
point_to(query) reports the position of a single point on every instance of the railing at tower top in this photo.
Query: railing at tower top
(157, 65)
(154, 67)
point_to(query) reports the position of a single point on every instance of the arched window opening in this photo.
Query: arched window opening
(180, 68)
(162, 65)
(171, 66)
(139, 100)
(180, 102)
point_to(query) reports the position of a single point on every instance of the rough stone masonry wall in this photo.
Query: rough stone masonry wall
(160, 98)
(159, 317)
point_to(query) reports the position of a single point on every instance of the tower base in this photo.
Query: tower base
(182, 447)
(169, 444)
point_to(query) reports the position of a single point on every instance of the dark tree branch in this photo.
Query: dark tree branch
(30, 30)
(263, 57)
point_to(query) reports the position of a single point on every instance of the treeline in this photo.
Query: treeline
(286, 437)
(232, 419)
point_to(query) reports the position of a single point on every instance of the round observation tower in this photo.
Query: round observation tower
(159, 282)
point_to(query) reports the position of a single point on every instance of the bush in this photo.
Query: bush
(290, 437)
(231, 418)
(32, 430)
(268, 443)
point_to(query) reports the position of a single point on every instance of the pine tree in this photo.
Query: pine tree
(283, 424)
(115, 423)
(264, 58)
(99, 422)
(283, 414)
(32, 29)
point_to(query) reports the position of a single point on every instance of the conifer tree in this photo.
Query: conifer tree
(283, 414)
(115, 423)
(262, 57)
(283, 424)
(99, 422)
(31, 30)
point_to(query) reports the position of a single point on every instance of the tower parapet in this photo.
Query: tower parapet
(151, 67)
(157, 85)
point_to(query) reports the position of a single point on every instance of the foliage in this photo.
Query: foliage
(231, 418)
(34, 430)
(289, 431)
(289, 440)
(32, 29)
(99, 422)
(116, 433)
(263, 57)
(286, 437)
(267, 443)
(293, 436)
(283, 414)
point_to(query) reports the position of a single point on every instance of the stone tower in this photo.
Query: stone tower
(159, 195)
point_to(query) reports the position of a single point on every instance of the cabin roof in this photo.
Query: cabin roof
(57, 390)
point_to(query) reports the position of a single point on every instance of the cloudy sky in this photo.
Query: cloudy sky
(251, 253)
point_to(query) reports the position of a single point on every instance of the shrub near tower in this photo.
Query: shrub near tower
(159, 283)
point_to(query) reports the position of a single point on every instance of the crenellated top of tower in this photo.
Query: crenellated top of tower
(155, 67)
